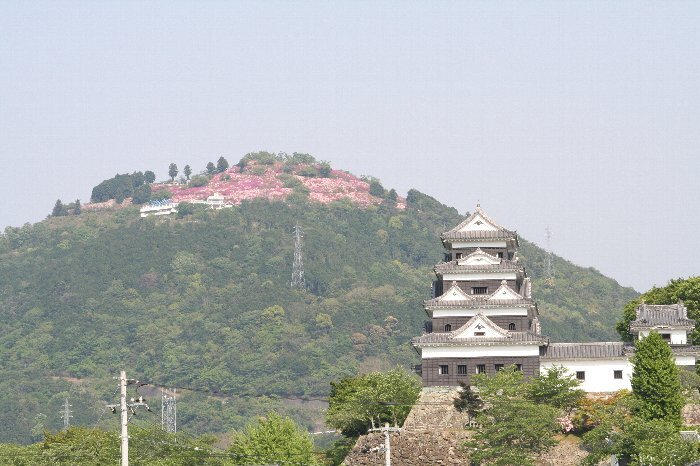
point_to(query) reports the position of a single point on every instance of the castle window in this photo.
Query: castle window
(479, 334)
(518, 367)
(498, 367)
(511, 326)
(458, 255)
(462, 369)
(581, 375)
(499, 255)
(448, 328)
(480, 290)
(443, 370)
(481, 368)
(618, 374)
(666, 336)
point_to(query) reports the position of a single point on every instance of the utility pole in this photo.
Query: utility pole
(124, 409)
(298, 267)
(67, 414)
(387, 441)
(124, 419)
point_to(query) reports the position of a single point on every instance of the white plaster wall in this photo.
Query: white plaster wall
(449, 276)
(479, 351)
(456, 312)
(678, 337)
(685, 360)
(478, 244)
(600, 375)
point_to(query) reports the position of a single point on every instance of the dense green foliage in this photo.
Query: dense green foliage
(512, 429)
(656, 386)
(273, 440)
(81, 446)
(641, 442)
(680, 290)
(120, 187)
(556, 387)
(359, 403)
(203, 302)
(643, 427)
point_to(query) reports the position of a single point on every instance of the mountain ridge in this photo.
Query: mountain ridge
(204, 301)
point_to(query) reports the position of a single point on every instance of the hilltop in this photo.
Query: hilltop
(201, 300)
(260, 175)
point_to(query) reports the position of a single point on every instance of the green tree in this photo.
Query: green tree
(77, 208)
(273, 440)
(468, 401)
(221, 165)
(211, 168)
(358, 403)
(512, 432)
(656, 386)
(58, 209)
(149, 176)
(376, 189)
(513, 429)
(172, 171)
(187, 171)
(556, 387)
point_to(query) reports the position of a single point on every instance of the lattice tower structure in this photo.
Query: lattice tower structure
(168, 412)
(298, 266)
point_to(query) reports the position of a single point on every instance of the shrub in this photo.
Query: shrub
(308, 171)
(161, 194)
(198, 180)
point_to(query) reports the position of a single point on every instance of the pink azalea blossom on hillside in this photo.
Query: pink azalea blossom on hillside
(236, 187)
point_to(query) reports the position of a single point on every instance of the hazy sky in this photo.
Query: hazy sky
(584, 116)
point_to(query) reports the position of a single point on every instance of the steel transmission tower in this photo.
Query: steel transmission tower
(168, 411)
(548, 261)
(66, 414)
(298, 267)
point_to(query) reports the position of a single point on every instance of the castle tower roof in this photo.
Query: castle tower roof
(478, 226)
(455, 297)
(479, 331)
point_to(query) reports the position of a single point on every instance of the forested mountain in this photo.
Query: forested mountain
(203, 301)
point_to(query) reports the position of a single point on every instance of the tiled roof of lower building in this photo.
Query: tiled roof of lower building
(431, 339)
(661, 315)
(453, 266)
(611, 349)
